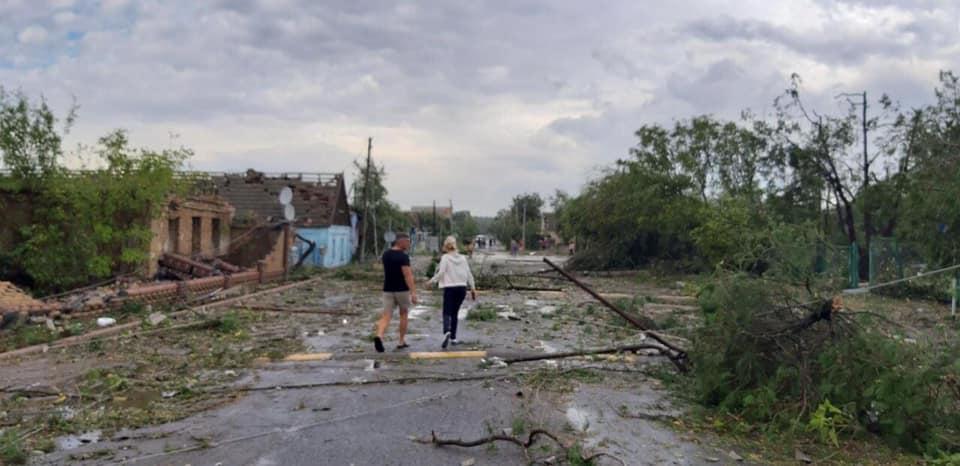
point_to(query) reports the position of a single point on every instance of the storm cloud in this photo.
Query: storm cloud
(466, 101)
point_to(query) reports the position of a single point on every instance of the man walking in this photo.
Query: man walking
(399, 290)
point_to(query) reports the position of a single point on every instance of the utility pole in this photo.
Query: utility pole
(867, 221)
(523, 226)
(366, 203)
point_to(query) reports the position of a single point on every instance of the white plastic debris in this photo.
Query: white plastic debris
(106, 321)
(169, 394)
(156, 318)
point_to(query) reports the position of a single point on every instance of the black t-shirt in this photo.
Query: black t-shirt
(393, 263)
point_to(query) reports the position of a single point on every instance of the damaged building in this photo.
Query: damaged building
(321, 234)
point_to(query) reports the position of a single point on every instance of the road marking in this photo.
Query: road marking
(300, 357)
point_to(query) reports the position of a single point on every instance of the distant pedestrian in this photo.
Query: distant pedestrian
(399, 290)
(455, 279)
(514, 247)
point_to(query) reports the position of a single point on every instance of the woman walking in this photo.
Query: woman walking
(454, 276)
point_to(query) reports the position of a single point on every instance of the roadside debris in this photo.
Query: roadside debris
(675, 354)
(103, 322)
(156, 318)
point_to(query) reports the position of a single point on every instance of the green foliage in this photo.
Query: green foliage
(482, 314)
(84, 225)
(229, 323)
(465, 226)
(11, 448)
(826, 421)
(834, 381)
(509, 223)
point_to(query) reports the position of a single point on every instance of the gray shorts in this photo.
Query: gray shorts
(399, 299)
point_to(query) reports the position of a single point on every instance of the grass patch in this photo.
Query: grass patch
(563, 381)
(482, 314)
(129, 393)
(519, 426)
(12, 450)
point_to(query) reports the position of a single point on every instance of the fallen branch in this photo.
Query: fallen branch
(524, 444)
(531, 438)
(677, 355)
(347, 383)
(571, 354)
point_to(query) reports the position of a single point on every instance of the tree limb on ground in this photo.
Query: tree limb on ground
(524, 444)
(676, 355)
(571, 354)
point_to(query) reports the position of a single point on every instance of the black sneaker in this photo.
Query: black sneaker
(378, 344)
(446, 340)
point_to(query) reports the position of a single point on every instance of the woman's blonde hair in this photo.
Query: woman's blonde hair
(450, 244)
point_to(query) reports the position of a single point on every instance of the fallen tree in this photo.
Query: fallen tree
(810, 365)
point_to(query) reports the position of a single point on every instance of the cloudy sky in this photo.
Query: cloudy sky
(469, 101)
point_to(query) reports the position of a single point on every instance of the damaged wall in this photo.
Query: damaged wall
(196, 226)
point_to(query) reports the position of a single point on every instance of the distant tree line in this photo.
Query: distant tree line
(707, 192)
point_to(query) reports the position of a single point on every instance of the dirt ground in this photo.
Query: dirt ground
(223, 393)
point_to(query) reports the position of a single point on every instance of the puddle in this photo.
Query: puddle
(136, 399)
(70, 442)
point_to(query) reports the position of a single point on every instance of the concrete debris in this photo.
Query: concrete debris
(509, 315)
(468, 462)
(106, 322)
(496, 362)
(546, 348)
(802, 457)
(50, 325)
(734, 456)
(170, 394)
(548, 310)
(156, 318)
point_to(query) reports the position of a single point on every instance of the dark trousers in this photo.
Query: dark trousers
(452, 299)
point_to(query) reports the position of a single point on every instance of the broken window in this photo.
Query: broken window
(195, 243)
(173, 235)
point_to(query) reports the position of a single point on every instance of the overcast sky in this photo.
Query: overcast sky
(469, 101)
